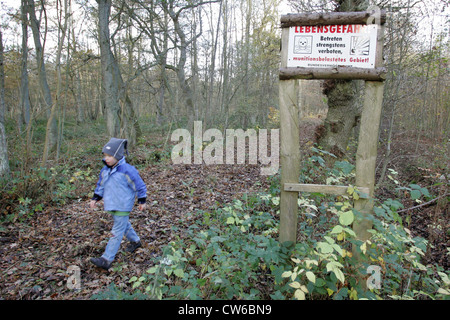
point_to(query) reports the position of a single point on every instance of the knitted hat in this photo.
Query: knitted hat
(116, 148)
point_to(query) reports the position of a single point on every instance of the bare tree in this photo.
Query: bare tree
(401, 35)
(62, 28)
(182, 46)
(24, 87)
(76, 76)
(107, 61)
(52, 130)
(4, 163)
(120, 117)
(153, 21)
(158, 19)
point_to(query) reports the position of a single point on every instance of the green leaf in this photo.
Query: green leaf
(230, 220)
(297, 261)
(350, 232)
(363, 247)
(337, 248)
(329, 240)
(344, 166)
(350, 190)
(443, 291)
(299, 295)
(311, 277)
(320, 282)
(415, 194)
(333, 265)
(346, 218)
(341, 294)
(201, 282)
(310, 262)
(339, 275)
(324, 247)
(445, 278)
(337, 229)
(179, 273)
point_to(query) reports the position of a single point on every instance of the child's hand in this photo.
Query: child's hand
(92, 204)
(142, 206)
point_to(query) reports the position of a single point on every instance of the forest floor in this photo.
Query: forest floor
(36, 254)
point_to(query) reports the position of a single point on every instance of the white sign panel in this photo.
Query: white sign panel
(328, 46)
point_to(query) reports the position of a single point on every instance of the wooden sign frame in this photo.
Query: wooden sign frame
(289, 122)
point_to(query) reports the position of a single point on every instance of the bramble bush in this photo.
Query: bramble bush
(233, 252)
(230, 255)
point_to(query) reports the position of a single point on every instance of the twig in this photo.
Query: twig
(423, 204)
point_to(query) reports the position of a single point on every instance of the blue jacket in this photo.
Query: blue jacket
(119, 186)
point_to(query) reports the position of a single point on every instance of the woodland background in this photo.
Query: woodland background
(76, 72)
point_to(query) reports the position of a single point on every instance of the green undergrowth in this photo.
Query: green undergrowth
(233, 252)
(70, 173)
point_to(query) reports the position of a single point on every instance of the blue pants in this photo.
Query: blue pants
(122, 227)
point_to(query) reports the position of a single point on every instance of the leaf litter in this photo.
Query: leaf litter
(36, 255)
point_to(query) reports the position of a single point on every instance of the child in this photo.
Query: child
(118, 185)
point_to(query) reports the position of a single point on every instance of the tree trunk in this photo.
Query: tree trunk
(212, 70)
(77, 75)
(344, 104)
(4, 163)
(24, 89)
(344, 111)
(52, 129)
(56, 105)
(181, 74)
(109, 83)
(120, 117)
(224, 67)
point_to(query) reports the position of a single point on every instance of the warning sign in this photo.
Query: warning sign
(330, 46)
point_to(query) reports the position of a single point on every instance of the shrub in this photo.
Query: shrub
(230, 257)
(232, 253)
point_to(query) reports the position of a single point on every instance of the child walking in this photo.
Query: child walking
(118, 185)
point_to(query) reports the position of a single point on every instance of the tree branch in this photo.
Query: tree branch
(424, 204)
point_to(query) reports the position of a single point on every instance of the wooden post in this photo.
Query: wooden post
(290, 149)
(324, 18)
(366, 155)
(348, 73)
(321, 188)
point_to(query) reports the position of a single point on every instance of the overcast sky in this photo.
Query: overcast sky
(427, 12)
